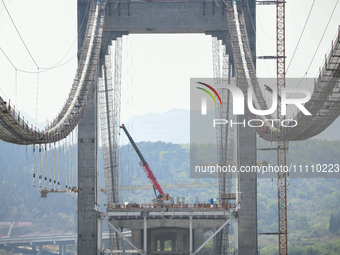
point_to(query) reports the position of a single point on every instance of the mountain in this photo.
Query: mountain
(172, 126)
(332, 132)
(20, 202)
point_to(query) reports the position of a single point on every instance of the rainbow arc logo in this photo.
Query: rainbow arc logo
(204, 99)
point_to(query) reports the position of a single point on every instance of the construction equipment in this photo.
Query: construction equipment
(202, 185)
(282, 146)
(69, 190)
(149, 174)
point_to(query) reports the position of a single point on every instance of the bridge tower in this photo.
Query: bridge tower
(122, 18)
(87, 159)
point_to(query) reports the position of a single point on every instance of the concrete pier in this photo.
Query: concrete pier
(167, 230)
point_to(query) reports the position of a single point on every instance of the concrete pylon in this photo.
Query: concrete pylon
(246, 190)
(87, 159)
(39, 249)
(62, 249)
(87, 178)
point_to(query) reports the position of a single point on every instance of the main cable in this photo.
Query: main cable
(37, 100)
(324, 32)
(303, 30)
(22, 40)
(9, 60)
(56, 65)
(310, 64)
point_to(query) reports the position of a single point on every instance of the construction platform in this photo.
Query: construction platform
(169, 228)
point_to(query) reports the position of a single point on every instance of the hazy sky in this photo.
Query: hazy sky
(156, 68)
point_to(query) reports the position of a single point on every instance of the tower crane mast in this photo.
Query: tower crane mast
(282, 146)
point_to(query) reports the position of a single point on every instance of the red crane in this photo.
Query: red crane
(145, 166)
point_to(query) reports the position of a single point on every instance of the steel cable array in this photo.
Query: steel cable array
(15, 129)
(324, 104)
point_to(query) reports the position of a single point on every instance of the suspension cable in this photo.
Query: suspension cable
(36, 100)
(22, 40)
(16, 87)
(56, 65)
(33, 165)
(303, 30)
(40, 175)
(41, 69)
(69, 163)
(45, 180)
(9, 60)
(324, 32)
(74, 158)
(58, 165)
(310, 64)
(54, 179)
(65, 160)
(50, 166)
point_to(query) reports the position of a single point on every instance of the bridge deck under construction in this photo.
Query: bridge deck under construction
(181, 229)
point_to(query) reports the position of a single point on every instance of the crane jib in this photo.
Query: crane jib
(145, 165)
(133, 144)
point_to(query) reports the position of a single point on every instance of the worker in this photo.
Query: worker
(265, 129)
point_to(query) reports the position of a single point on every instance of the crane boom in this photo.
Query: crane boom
(149, 174)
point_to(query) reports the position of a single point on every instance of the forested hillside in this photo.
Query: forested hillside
(20, 202)
(313, 204)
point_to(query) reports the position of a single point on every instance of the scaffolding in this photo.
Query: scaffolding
(109, 114)
(224, 134)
